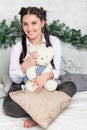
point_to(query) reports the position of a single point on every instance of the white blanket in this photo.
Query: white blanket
(73, 117)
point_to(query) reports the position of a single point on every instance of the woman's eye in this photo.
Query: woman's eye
(24, 24)
(34, 23)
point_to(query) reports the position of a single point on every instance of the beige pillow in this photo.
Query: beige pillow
(44, 106)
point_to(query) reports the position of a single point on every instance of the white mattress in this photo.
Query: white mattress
(74, 117)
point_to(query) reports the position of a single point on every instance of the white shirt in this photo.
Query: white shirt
(15, 71)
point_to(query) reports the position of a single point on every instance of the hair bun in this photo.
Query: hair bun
(22, 10)
(42, 13)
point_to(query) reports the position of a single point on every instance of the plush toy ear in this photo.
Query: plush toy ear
(51, 50)
(36, 48)
(32, 49)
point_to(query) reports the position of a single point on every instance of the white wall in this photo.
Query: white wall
(72, 12)
(74, 60)
(4, 61)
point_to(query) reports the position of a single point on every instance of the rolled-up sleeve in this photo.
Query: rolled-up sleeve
(57, 56)
(15, 71)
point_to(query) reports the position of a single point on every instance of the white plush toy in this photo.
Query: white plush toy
(45, 55)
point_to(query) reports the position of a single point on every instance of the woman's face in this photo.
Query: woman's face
(32, 26)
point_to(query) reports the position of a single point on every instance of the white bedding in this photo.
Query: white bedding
(74, 117)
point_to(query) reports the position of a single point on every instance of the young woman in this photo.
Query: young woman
(33, 22)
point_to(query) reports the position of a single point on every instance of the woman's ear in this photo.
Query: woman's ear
(43, 23)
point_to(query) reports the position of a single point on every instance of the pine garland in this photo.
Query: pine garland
(67, 35)
(9, 34)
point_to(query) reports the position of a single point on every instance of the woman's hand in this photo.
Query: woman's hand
(39, 81)
(29, 62)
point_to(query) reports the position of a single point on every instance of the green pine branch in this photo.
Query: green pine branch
(9, 34)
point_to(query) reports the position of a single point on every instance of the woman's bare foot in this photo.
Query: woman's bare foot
(29, 123)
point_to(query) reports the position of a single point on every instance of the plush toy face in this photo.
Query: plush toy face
(45, 55)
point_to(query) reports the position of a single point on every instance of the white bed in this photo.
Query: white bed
(74, 117)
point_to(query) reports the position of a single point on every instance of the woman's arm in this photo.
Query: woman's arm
(29, 62)
(15, 71)
(57, 56)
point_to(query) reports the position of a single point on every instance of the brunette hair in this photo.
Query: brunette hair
(40, 13)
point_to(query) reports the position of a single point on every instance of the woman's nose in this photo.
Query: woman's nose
(29, 27)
